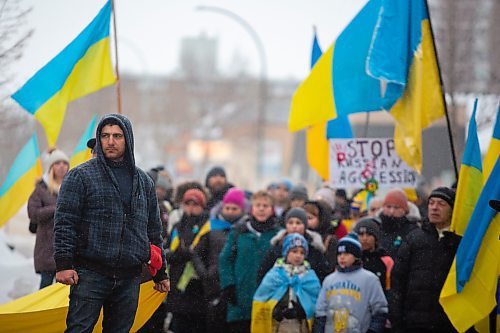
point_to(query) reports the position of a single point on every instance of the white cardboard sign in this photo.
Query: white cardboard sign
(353, 161)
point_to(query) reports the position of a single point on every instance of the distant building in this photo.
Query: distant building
(198, 57)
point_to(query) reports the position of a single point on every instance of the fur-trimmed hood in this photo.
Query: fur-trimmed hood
(313, 238)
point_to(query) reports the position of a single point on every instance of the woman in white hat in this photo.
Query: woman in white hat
(41, 208)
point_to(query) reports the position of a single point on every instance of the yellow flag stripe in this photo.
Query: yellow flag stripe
(18, 194)
(421, 103)
(91, 73)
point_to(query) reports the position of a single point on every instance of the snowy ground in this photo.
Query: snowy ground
(17, 274)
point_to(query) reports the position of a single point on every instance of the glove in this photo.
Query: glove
(33, 227)
(290, 313)
(229, 294)
(155, 262)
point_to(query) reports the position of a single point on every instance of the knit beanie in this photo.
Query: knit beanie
(235, 196)
(215, 171)
(495, 204)
(292, 241)
(91, 143)
(55, 156)
(327, 195)
(164, 183)
(298, 192)
(445, 193)
(349, 244)
(299, 213)
(369, 225)
(285, 183)
(398, 198)
(195, 195)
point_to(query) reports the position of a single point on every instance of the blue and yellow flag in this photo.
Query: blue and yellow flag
(20, 181)
(45, 310)
(470, 180)
(316, 141)
(317, 135)
(403, 55)
(83, 67)
(174, 241)
(273, 287)
(338, 83)
(468, 295)
(494, 149)
(212, 225)
(82, 153)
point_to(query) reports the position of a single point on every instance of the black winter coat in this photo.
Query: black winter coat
(206, 255)
(190, 299)
(393, 232)
(419, 273)
(316, 256)
(379, 263)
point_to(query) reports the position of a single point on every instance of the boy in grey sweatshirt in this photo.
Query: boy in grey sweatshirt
(351, 299)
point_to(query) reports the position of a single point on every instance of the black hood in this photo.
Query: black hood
(126, 127)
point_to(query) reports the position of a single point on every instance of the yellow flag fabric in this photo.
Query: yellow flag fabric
(83, 67)
(468, 294)
(20, 180)
(477, 298)
(493, 150)
(470, 180)
(45, 310)
(312, 102)
(82, 153)
(317, 149)
(421, 103)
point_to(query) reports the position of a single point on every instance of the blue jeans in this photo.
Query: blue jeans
(47, 279)
(117, 297)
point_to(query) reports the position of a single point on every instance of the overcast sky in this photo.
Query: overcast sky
(150, 31)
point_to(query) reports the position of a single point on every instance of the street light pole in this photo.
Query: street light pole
(262, 89)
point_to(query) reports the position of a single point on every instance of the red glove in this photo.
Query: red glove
(155, 262)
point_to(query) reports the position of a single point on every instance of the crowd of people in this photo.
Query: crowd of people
(323, 261)
(275, 260)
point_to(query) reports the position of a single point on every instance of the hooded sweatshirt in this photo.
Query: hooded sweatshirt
(105, 221)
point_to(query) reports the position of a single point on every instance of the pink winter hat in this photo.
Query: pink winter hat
(235, 196)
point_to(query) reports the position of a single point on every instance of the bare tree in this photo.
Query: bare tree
(14, 123)
(467, 41)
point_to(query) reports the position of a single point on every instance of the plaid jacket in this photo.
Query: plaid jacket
(91, 227)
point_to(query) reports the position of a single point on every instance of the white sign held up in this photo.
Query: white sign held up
(353, 161)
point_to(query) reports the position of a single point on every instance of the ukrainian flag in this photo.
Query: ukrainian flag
(470, 180)
(468, 295)
(20, 181)
(494, 149)
(82, 153)
(45, 310)
(83, 67)
(316, 142)
(402, 54)
(317, 135)
(174, 241)
(338, 83)
(272, 288)
(212, 225)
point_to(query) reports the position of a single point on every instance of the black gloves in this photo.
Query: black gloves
(229, 294)
(295, 312)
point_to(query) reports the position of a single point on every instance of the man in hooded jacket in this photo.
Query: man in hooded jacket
(106, 221)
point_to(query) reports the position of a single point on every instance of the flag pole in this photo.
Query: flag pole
(448, 125)
(118, 90)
